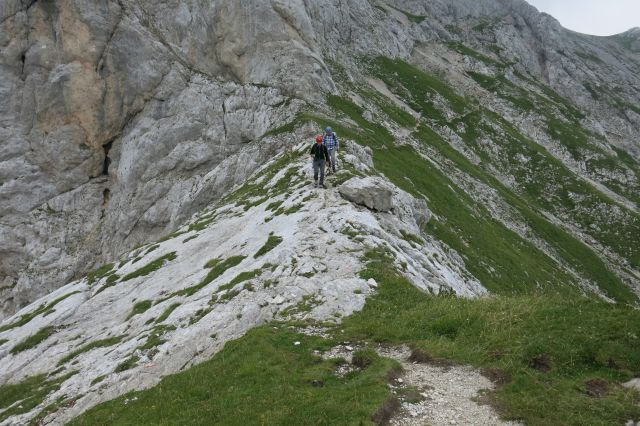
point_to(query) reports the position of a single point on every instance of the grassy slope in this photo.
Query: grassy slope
(542, 182)
(262, 378)
(503, 261)
(579, 339)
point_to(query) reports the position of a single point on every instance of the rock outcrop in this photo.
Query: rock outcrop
(380, 195)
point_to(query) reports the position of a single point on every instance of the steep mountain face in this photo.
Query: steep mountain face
(487, 150)
(124, 119)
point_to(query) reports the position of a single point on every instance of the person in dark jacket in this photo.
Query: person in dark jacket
(320, 157)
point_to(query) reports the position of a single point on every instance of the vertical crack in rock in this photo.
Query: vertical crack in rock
(107, 159)
(224, 122)
(100, 62)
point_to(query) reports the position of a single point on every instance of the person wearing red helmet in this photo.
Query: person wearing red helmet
(320, 157)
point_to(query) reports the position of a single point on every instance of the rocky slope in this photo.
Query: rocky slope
(277, 249)
(123, 119)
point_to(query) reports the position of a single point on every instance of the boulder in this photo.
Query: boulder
(380, 195)
(372, 192)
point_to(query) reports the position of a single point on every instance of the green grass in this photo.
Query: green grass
(272, 242)
(467, 51)
(554, 193)
(3, 341)
(112, 279)
(44, 310)
(579, 338)
(99, 273)
(413, 18)
(262, 378)
(199, 314)
(306, 305)
(139, 308)
(55, 406)
(128, 364)
(151, 266)
(218, 267)
(252, 189)
(23, 397)
(499, 258)
(167, 312)
(589, 57)
(416, 88)
(395, 113)
(102, 343)
(98, 380)
(241, 277)
(573, 251)
(285, 128)
(34, 340)
(155, 336)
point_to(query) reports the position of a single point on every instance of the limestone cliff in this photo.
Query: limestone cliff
(124, 118)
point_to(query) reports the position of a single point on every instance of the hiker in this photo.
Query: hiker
(320, 156)
(333, 144)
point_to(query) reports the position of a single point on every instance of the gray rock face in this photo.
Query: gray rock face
(380, 195)
(372, 192)
(120, 119)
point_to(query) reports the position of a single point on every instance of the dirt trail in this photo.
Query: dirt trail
(435, 395)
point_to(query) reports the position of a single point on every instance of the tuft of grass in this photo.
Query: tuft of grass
(44, 310)
(151, 267)
(103, 343)
(363, 358)
(98, 380)
(139, 308)
(112, 280)
(128, 364)
(34, 340)
(272, 242)
(467, 51)
(306, 305)
(411, 238)
(413, 18)
(200, 313)
(241, 277)
(262, 376)
(167, 312)
(99, 273)
(155, 337)
(228, 296)
(218, 267)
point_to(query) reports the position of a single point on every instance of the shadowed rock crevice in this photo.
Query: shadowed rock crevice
(107, 160)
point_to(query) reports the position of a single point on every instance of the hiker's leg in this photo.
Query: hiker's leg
(316, 169)
(322, 164)
(332, 154)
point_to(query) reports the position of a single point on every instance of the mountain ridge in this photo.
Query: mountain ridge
(157, 192)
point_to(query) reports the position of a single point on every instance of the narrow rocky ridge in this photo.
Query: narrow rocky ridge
(156, 308)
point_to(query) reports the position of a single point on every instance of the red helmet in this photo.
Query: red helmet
(319, 139)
